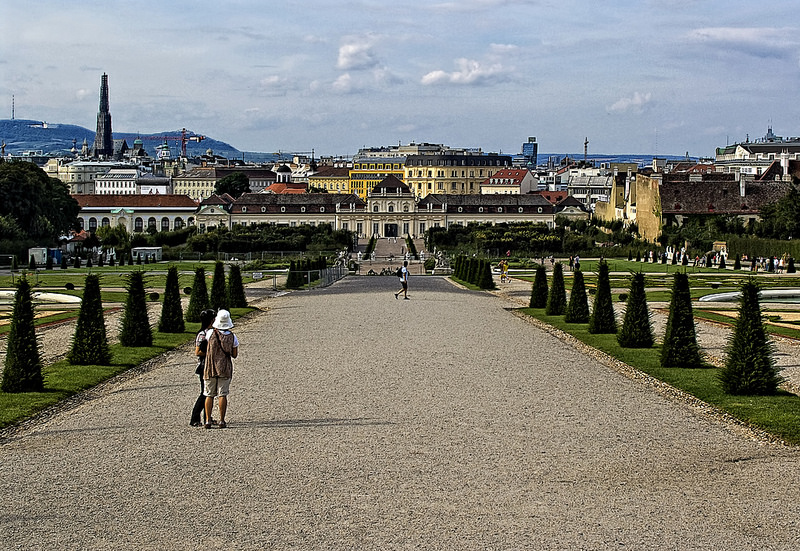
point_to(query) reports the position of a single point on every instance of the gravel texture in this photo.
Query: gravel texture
(358, 421)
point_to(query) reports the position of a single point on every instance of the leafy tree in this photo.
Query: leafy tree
(114, 237)
(22, 370)
(171, 320)
(234, 185)
(557, 299)
(750, 365)
(89, 343)
(198, 300)
(603, 319)
(236, 297)
(680, 347)
(219, 294)
(636, 331)
(578, 307)
(135, 328)
(40, 206)
(539, 290)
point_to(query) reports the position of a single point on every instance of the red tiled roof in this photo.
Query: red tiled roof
(121, 201)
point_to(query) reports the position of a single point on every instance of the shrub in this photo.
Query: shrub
(89, 343)
(539, 289)
(236, 297)
(578, 307)
(623, 297)
(557, 299)
(135, 327)
(187, 290)
(636, 331)
(680, 347)
(198, 301)
(219, 292)
(750, 363)
(171, 320)
(153, 296)
(23, 363)
(603, 319)
(69, 286)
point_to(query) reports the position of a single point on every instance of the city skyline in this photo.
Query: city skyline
(639, 78)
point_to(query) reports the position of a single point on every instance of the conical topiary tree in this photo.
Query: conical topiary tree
(89, 343)
(135, 327)
(22, 370)
(539, 290)
(578, 307)
(48, 264)
(219, 293)
(32, 263)
(680, 347)
(485, 279)
(790, 269)
(750, 363)
(236, 298)
(171, 320)
(737, 263)
(557, 299)
(198, 300)
(721, 265)
(14, 266)
(603, 320)
(636, 331)
(64, 265)
(674, 258)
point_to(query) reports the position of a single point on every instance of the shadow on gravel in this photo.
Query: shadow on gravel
(302, 423)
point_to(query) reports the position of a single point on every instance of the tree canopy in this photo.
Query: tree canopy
(233, 184)
(36, 205)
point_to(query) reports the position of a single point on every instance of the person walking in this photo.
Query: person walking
(200, 349)
(403, 281)
(223, 346)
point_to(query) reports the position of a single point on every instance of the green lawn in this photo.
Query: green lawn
(778, 415)
(63, 380)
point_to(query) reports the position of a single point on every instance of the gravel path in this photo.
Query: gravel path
(358, 421)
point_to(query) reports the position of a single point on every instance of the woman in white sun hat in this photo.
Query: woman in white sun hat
(223, 346)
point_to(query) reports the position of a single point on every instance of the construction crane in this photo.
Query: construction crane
(183, 139)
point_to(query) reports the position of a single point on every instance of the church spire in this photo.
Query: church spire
(103, 143)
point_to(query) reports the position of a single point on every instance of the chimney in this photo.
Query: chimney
(738, 176)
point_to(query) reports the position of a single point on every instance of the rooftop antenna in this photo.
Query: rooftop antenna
(585, 149)
(12, 107)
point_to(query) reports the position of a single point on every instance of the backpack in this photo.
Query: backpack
(399, 272)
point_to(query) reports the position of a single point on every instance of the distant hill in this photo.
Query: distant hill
(22, 135)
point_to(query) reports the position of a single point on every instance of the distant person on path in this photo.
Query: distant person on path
(223, 346)
(403, 281)
(200, 349)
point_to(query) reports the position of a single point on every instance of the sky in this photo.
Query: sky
(633, 77)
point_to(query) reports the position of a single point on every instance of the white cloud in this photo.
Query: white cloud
(344, 84)
(83, 93)
(356, 53)
(635, 104)
(469, 71)
(763, 42)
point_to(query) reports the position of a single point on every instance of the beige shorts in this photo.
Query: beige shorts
(217, 386)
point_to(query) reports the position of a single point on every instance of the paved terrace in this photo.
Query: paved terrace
(358, 421)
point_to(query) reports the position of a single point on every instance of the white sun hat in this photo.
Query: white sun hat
(223, 320)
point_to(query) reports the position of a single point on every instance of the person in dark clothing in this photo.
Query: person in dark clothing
(200, 348)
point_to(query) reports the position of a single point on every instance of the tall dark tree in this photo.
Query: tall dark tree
(48, 264)
(135, 327)
(23, 366)
(737, 263)
(637, 330)
(32, 263)
(219, 294)
(171, 320)
(89, 343)
(198, 300)
(750, 363)
(680, 348)
(539, 289)
(603, 320)
(485, 279)
(233, 184)
(578, 307)
(236, 297)
(557, 299)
